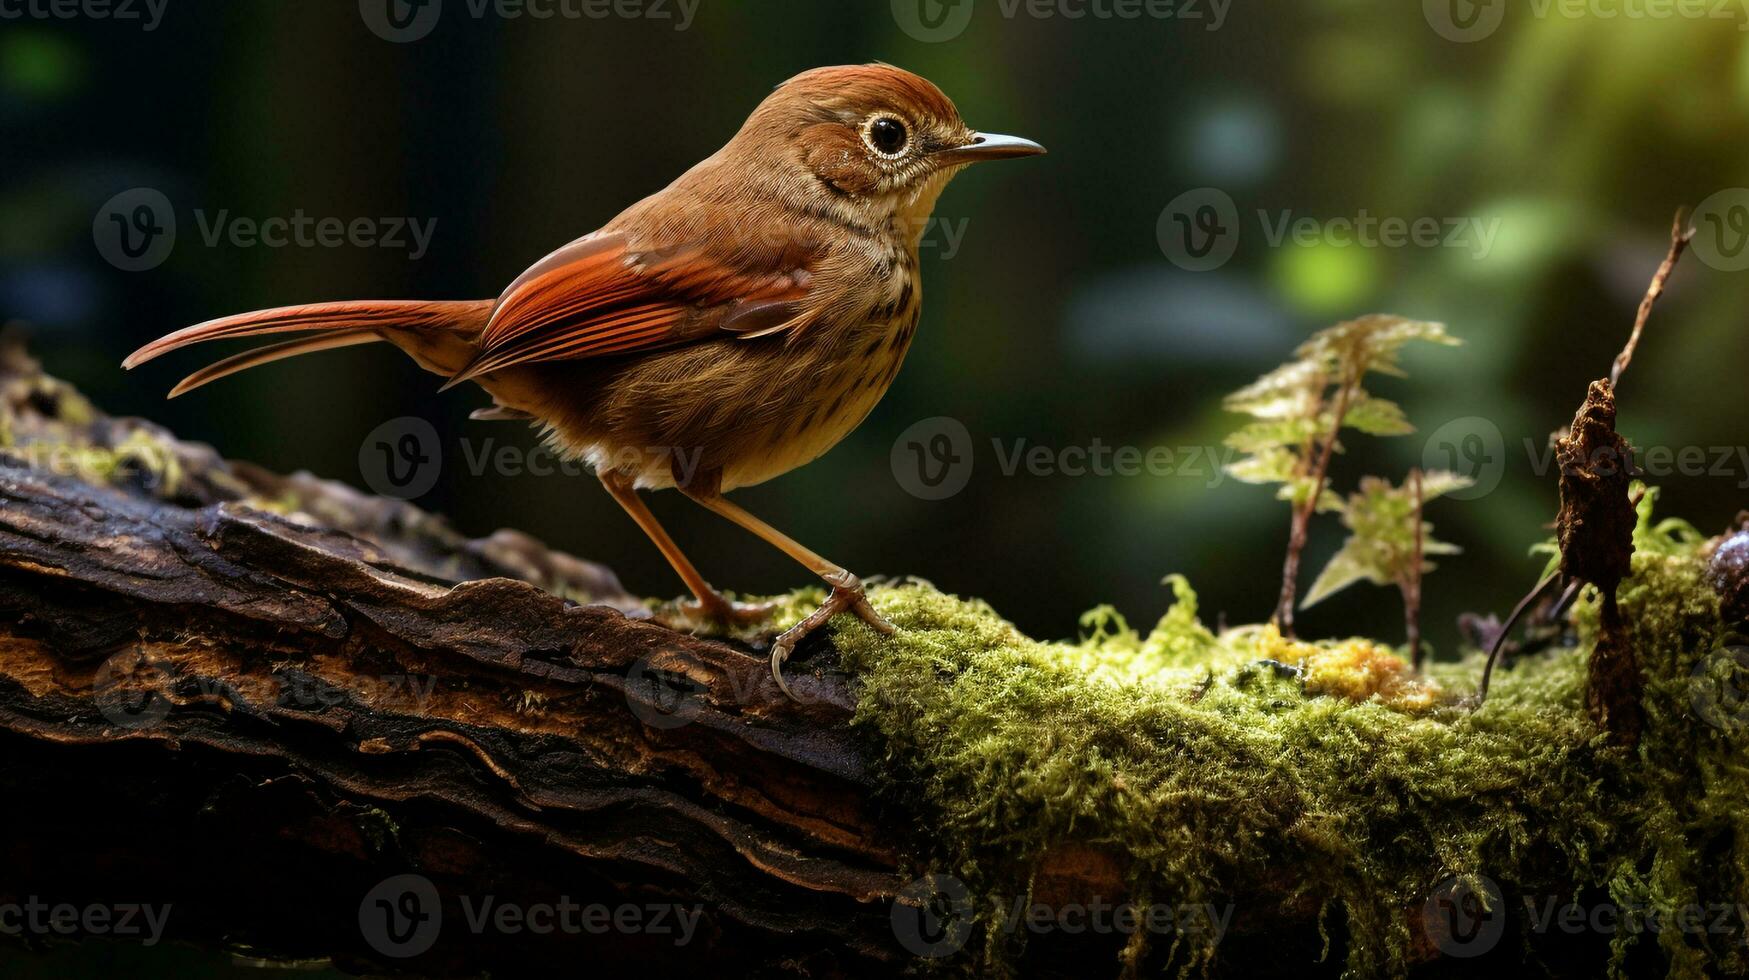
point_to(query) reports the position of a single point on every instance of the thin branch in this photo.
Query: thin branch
(1518, 612)
(1681, 233)
(1412, 589)
(1296, 545)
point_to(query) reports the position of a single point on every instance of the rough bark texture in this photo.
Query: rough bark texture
(257, 697)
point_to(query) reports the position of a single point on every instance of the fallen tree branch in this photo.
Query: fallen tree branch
(299, 723)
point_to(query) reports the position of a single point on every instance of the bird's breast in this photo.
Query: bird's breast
(838, 383)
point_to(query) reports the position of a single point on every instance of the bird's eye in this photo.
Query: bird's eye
(886, 136)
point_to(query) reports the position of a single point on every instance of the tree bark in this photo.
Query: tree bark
(258, 718)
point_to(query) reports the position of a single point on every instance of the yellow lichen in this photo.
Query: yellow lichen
(1356, 669)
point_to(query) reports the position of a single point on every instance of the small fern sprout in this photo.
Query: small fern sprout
(1388, 542)
(1301, 409)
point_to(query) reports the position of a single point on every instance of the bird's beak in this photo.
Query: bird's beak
(989, 146)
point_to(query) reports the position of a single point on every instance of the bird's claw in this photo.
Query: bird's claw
(720, 610)
(847, 596)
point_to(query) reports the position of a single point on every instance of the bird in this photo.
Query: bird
(721, 332)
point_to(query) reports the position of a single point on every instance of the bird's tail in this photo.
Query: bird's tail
(435, 333)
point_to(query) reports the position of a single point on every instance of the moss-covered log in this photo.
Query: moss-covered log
(313, 723)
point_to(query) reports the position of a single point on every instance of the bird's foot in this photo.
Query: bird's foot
(717, 609)
(847, 596)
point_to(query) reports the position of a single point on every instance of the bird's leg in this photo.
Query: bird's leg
(709, 602)
(847, 592)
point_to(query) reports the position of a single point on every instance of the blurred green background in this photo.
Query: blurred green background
(1058, 319)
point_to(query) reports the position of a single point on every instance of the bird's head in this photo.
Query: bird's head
(881, 137)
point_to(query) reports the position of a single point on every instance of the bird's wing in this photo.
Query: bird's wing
(597, 296)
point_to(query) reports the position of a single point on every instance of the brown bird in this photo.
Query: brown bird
(720, 332)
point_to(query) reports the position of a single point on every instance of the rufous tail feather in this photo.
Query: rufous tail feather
(335, 325)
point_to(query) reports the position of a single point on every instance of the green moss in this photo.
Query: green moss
(1206, 775)
(140, 453)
